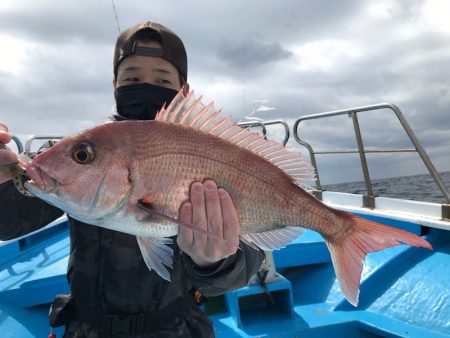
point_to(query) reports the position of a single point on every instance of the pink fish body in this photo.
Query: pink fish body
(103, 175)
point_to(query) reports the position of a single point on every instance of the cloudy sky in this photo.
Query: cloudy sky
(304, 57)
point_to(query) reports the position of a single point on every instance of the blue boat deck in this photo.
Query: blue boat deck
(404, 291)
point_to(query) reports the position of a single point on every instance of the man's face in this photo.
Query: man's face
(136, 69)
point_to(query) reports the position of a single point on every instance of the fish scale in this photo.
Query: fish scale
(184, 165)
(257, 209)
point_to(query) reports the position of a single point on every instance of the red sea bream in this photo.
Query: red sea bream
(103, 175)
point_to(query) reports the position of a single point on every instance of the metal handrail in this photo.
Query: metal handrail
(263, 124)
(18, 143)
(41, 137)
(361, 151)
(255, 123)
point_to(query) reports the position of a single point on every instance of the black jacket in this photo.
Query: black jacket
(106, 271)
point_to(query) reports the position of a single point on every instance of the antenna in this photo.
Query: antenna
(117, 18)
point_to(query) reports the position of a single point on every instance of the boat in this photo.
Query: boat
(404, 290)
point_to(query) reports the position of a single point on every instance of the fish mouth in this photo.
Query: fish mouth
(40, 180)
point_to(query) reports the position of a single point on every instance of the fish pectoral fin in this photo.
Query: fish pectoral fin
(273, 239)
(157, 254)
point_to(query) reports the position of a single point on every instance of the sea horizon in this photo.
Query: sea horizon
(419, 187)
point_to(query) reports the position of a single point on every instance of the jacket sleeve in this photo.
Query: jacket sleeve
(20, 215)
(228, 274)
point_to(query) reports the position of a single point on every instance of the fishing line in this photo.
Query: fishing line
(117, 18)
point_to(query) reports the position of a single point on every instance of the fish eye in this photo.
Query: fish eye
(84, 153)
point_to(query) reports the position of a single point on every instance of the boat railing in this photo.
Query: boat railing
(263, 123)
(33, 138)
(250, 124)
(369, 198)
(18, 143)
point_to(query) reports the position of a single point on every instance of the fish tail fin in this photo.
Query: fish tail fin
(364, 236)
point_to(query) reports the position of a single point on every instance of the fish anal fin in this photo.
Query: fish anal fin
(157, 254)
(273, 239)
(365, 236)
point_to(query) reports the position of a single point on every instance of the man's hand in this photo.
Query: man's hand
(6, 156)
(212, 210)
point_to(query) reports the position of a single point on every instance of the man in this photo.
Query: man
(113, 294)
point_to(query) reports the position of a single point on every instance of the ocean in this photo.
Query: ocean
(416, 187)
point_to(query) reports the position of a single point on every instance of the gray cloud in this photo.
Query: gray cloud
(56, 22)
(406, 9)
(249, 53)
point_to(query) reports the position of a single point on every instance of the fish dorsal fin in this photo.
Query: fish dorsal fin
(190, 111)
(273, 239)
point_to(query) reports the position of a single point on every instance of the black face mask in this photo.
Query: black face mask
(142, 101)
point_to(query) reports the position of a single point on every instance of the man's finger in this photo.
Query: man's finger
(231, 226)
(197, 198)
(185, 236)
(213, 209)
(7, 156)
(4, 135)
